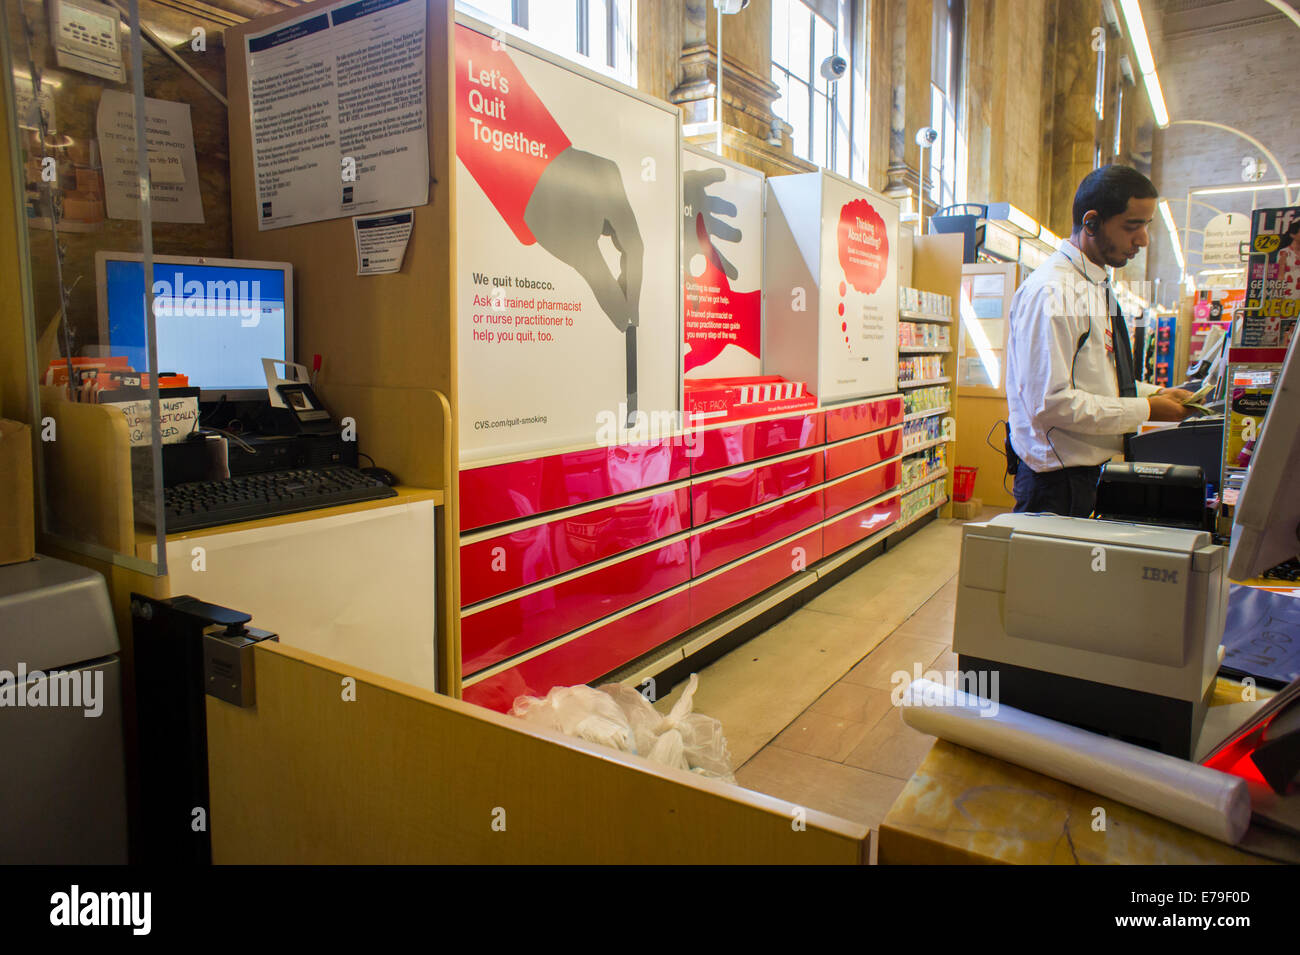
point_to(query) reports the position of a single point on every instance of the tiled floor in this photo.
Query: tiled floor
(806, 705)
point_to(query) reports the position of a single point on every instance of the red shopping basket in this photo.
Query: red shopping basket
(963, 485)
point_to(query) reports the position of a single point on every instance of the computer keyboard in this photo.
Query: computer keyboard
(252, 496)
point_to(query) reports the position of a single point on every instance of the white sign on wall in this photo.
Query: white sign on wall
(1224, 235)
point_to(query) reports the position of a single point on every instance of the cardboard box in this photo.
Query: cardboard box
(17, 508)
(967, 510)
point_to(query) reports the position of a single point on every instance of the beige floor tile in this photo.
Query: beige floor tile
(897, 654)
(761, 687)
(891, 748)
(822, 735)
(946, 663)
(855, 794)
(853, 701)
(813, 689)
(926, 628)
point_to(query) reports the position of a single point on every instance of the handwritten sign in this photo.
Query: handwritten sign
(178, 417)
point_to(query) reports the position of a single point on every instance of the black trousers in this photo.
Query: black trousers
(1071, 492)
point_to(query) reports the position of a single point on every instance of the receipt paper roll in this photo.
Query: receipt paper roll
(1188, 794)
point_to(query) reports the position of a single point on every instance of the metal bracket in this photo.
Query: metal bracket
(228, 662)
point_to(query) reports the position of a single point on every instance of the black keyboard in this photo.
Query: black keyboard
(252, 496)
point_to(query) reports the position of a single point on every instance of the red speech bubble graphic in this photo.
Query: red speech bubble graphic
(864, 246)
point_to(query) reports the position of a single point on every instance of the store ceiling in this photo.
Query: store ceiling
(1177, 18)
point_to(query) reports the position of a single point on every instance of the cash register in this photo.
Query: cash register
(1115, 626)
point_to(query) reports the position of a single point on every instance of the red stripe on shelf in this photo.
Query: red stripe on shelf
(588, 657)
(521, 557)
(490, 636)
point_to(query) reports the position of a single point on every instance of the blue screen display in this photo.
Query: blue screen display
(215, 323)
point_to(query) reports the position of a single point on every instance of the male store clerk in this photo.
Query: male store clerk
(1071, 395)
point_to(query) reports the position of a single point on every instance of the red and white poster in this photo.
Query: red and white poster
(831, 316)
(722, 267)
(859, 292)
(567, 254)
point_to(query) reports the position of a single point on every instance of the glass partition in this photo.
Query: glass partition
(118, 134)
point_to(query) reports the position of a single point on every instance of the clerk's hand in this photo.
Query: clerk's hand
(578, 199)
(1165, 408)
(1178, 394)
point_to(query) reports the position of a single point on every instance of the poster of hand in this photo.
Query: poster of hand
(567, 241)
(722, 262)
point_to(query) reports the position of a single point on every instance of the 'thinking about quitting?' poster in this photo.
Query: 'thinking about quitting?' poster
(722, 267)
(337, 100)
(568, 221)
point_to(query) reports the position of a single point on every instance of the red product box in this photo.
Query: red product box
(710, 400)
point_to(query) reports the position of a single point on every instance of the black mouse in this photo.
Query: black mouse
(382, 475)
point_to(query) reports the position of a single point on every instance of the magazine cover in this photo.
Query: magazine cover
(1273, 278)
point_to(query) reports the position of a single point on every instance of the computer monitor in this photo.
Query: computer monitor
(216, 319)
(1266, 524)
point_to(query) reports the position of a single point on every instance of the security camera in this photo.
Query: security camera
(927, 136)
(729, 7)
(834, 67)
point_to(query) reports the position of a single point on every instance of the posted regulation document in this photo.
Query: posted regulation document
(338, 112)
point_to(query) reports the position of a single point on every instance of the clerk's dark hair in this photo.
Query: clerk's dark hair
(1108, 191)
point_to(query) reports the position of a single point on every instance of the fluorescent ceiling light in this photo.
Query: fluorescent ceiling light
(1023, 222)
(1235, 271)
(1138, 31)
(1221, 190)
(1174, 240)
(1157, 98)
(1145, 61)
(1051, 238)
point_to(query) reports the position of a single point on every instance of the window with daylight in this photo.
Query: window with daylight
(804, 35)
(946, 175)
(595, 33)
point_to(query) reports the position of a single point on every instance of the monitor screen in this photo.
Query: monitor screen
(1266, 525)
(216, 319)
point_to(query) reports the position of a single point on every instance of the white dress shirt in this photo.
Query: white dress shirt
(1059, 418)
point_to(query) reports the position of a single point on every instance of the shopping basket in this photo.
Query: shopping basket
(963, 485)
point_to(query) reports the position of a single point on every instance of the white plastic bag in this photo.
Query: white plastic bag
(619, 716)
(578, 711)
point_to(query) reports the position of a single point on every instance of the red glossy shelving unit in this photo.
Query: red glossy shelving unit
(573, 565)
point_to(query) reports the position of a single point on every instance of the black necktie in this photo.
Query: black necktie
(1123, 357)
(1123, 349)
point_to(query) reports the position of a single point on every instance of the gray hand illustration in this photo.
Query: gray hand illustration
(698, 201)
(579, 198)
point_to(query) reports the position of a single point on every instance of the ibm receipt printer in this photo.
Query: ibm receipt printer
(1110, 626)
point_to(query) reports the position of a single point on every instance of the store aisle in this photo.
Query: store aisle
(806, 705)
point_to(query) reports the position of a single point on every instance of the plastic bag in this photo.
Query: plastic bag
(619, 716)
(578, 711)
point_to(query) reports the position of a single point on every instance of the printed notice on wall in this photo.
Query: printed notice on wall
(337, 101)
(173, 170)
(381, 241)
